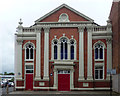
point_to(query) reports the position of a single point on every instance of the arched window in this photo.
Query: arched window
(63, 48)
(99, 51)
(29, 51)
(72, 49)
(55, 49)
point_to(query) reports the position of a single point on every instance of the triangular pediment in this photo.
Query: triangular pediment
(73, 15)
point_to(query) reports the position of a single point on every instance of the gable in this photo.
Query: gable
(73, 15)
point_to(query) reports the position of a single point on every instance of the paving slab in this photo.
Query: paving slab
(61, 93)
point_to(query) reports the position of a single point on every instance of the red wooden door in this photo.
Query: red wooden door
(63, 82)
(29, 81)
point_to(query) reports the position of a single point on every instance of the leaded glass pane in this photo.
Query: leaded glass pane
(55, 52)
(96, 53)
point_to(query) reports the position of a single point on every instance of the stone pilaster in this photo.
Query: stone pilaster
(38, 53)
(55, 78)
(81, 53)
(109, 56)
(19, 60)
(46, 53)
(89, 60)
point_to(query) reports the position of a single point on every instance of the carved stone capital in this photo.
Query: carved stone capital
(89, 28)
(109, 40)
(20, 42)
(81, 29)
(46, 29)
(38, 30)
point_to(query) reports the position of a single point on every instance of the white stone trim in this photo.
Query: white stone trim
(20, 87)
(68, 50)
(109, 56)
(58, 51)
(19, 60)
(56, 68)
(75, 47)
(89, 52)
(52, 48)
(63, 19)
(26, 38)
(24, 46)
(91, 88)
(100, 37)
(99, 64)
(44, 88)
(46, 54)
(104, 46)
(81, 53)
(38, 54)
(41, 83)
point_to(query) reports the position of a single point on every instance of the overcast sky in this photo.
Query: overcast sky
(30, 10)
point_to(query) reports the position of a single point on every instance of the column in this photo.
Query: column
(58, 51)
(81, 53)
(68, 51)
(89, 62)
(55, 78)
(38, 54)
(75, 51)
(18, 52)
(46, 53)
(19, 60)
(109, 56)
(71, 79)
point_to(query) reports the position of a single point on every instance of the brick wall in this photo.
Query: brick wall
(115, 18)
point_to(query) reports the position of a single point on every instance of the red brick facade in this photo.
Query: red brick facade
(69, 32)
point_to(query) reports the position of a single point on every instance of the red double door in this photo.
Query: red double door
(63, 82)
(29, 82)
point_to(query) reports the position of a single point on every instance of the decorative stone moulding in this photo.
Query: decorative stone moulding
(63, 18)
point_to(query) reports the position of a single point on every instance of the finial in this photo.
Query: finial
(64, 35)
(108, 22)
(55, 36)
(20, 22)
(72, 36)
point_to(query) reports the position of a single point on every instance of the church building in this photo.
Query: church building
(64, 50)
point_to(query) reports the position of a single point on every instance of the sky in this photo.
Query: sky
(30, 10)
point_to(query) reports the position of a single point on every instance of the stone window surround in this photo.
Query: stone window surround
(99, 42)
(58, 67)
(99, 64)
(68, 48)
(24, 47)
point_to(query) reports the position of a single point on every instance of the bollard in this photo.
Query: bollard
(7, 90)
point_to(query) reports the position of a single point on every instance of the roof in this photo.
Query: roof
(66, 6)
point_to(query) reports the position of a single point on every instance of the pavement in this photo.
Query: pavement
(61, 93)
